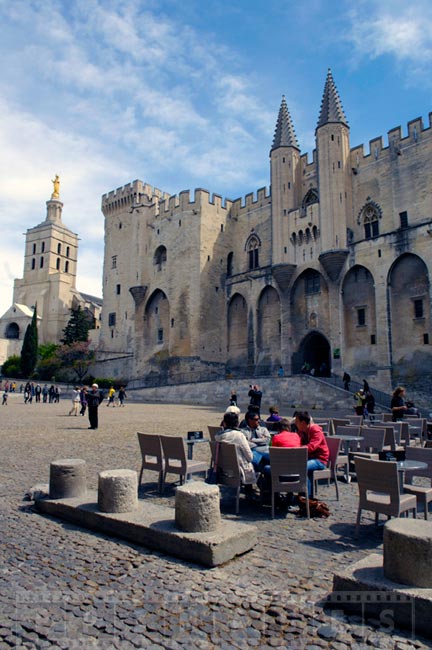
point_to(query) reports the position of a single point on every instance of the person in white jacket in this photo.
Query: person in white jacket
(244, 453)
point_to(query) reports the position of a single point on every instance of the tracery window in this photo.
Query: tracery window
(369, 215)
(160, 257)
(309, 198)
(252, 248)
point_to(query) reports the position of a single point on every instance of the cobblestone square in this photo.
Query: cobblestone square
(66, 587)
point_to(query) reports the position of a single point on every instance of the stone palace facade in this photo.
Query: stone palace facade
(331, 267)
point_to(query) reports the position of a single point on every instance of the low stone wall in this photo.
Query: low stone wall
(286, 392)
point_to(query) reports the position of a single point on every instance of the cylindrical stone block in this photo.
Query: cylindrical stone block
(118, 490)
(67, 478)
(197, 507)
(408, 552)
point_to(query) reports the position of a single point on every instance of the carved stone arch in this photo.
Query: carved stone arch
(300, 237)
(370, 211)
(309, 198)
(252, 246)
(157, 321)
(269, 329)
(294, 238)
(252, 242)
(359, 316)
(237, 331)
(410, 315)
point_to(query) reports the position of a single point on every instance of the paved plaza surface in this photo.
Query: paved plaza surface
(66, 587)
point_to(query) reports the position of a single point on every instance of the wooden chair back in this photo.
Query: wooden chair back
(213, 431)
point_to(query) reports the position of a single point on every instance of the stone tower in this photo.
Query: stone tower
(50, 266)
(334, 179)
(285, 180)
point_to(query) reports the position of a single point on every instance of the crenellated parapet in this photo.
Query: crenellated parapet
(133, 195)
(245, 204)
(397, 143)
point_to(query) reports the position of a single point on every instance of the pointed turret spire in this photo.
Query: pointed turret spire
(331, 105)
(284, 133)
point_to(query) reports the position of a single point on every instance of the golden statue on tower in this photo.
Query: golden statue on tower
(56, 191)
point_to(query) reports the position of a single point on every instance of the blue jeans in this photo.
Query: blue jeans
(312, 465)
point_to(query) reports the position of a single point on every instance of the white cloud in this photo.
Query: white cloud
(396, 28)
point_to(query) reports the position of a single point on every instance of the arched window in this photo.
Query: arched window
(58, 249)
(160, 257)
(66, 267)
(252, 247)
(369, 216)
(67, 251)
(41, 262)
(58, 264)
(12, 331)
(230, 259)
(43, 247)
(33, 264)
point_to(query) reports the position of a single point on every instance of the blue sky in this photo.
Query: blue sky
(184, 94)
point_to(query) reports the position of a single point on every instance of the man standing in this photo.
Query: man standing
(313, 438)
(94, 398)
(255, 396)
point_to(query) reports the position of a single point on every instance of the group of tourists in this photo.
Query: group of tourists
(252, 438)
(89, 399)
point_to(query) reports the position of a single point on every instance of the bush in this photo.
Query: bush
(107, 382)
(12, 366)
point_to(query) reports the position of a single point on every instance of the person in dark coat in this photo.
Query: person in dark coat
(94, 398)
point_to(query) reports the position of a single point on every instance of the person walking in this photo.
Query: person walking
(83, 399)
(111, 395)
(94, 398)
(122, 395)
(346, 380)
(75, 401)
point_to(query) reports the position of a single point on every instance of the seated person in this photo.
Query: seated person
(314, 439)
(232, 434)
(273, 418)
(256, 435)
(285, 437)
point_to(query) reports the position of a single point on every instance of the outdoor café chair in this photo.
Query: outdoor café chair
(176, 461)
(333, 443)
(423, 493)
(288, 472)
(151, 455)
(379, 490)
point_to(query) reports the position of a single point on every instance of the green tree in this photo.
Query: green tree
(77, 357)
(47, 350)
(29, 350)
(77, 327)
(12, 366)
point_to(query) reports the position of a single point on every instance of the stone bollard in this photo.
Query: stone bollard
(408, 552)
(197, 508)
(67, 478)
(118, 490)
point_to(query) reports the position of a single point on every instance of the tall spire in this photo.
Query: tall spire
(284, 133)
(331, 105)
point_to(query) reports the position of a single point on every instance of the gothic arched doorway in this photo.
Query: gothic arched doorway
(315, 352)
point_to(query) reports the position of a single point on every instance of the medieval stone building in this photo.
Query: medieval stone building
(330, 267)
(48, 282)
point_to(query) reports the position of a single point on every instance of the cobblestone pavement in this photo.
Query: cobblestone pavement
(66, 587)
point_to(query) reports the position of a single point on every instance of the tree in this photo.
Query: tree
(77, 327)
(77, 357)
(29, 350)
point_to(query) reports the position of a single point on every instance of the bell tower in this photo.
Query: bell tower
(50, 267)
